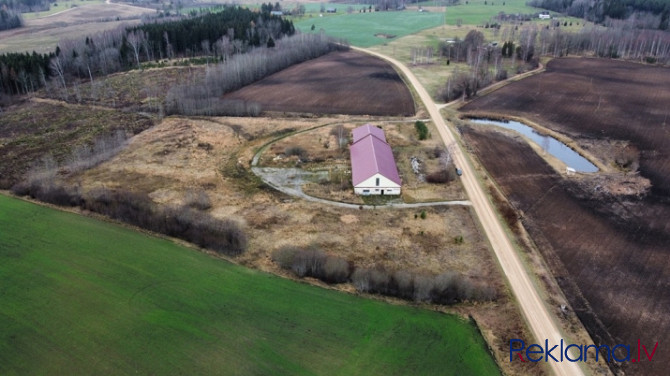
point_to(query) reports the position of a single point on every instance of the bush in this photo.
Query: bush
(221, 235)
(335, 270)
(441, 176)
(297, 151)
(197, 199)
(421, 129)
(312, 262)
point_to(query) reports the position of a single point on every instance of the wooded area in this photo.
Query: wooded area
(219, 35)
(656, 12)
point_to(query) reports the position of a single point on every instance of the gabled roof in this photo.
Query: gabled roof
(364, 130)
(369, 156)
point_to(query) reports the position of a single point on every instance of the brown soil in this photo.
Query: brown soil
(598, 99)
(338, 83)
(608, 252)
(606, 236)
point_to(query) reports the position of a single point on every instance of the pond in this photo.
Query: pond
(551, 145)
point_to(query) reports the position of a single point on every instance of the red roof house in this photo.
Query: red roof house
(373, 168)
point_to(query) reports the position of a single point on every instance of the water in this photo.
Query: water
(548, 143)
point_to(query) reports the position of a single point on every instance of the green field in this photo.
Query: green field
(360, 28)
(478, 13)
(82, 296)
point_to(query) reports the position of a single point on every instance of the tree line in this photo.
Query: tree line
(445, 288)
(204, 98)
(232, 31)
(600, 10)
(23, 6)
(524, 45)
(10, 19)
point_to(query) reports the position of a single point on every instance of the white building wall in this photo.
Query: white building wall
(370, 187)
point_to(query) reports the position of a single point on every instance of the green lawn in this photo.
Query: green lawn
(81, 296)
(360, 28)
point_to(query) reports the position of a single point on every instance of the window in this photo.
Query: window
(377, 182)
(366, 191)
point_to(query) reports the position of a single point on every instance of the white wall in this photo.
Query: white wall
(369, 187)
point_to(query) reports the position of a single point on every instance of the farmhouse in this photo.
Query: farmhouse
(373, 168)
(331, 10)
(545, 16)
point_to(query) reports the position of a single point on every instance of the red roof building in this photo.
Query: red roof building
(373, 168)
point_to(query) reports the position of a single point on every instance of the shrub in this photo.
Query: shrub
(441, 176)
(297, 151)
(423, 214)
(421, 129)
(197, 199)
(335, 270)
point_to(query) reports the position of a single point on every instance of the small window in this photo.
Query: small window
(377, 182)
(366, 191)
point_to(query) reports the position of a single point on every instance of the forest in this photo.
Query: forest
(654, 13)
(223, 34)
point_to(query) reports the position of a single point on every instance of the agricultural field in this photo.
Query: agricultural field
(604, 235)
(125, 302)
(44, 33)
(339, 83)
(369, 29)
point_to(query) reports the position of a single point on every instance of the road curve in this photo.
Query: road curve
(541, 322)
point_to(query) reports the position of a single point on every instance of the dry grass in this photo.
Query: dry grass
(43, 34)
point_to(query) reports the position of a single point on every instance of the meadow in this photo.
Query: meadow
(362, 29)
(82, 296)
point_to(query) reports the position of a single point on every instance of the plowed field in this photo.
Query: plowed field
(610, 252)
(338, 83)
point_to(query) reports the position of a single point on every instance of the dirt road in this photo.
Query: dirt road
(541, 322)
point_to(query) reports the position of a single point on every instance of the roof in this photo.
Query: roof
(369, 156)
(364, 130)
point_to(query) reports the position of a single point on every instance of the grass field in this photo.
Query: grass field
(81, 296)
(360, 28)
(60, 6)
(477, 13)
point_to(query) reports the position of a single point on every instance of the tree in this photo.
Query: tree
(271, 43)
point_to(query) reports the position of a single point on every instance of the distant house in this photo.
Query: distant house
(545, 16)
(373, 168)
(277, 13)
(331, 10)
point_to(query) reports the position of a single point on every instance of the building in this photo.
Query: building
(373, 168)
(545, 16)
(331, 10)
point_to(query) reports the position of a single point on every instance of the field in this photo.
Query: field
(369, 29)
(37, 128)
(602, 235)
(44, 33)
(124, 302)
(338, 83)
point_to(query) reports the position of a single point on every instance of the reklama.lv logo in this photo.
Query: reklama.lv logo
(577, 353)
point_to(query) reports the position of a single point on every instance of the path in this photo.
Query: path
(541, 322)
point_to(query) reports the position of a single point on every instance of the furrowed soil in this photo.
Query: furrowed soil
(604, 236)
(338, 83)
